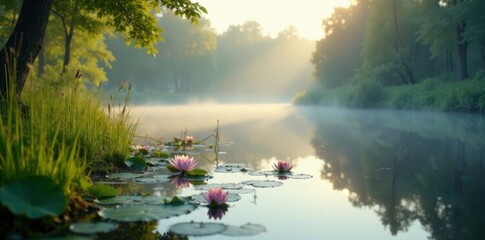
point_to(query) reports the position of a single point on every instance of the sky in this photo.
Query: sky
(273, 15)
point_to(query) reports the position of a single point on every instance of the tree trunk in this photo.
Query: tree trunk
(482, 51)
(69, 34)
(24, 44)
(400, 45)
(461, 53)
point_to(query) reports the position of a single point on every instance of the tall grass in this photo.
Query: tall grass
(27, 150)
(78, 116)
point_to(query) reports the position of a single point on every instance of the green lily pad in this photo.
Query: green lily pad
(298, 176)
(102, 191)
(133, 200)
(161, 154)
(263, 183)
(231, 168)
(242, 190)
(125, 176)
(196, 172)
(244, 230)
(263, 173)
(232, 197)
(145, 213)
(137, 163)
(91, 228)
(225, 186)
(281, 175)
(156, 161)
(154, 179)
(35, 197)
(197, 228)
(119, 200)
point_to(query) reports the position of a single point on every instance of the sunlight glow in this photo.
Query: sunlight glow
(273, 15)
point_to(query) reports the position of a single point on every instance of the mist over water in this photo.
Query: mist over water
(382, 173)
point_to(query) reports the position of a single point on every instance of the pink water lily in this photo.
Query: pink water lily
(183, 163)
(189, 139)
(282, 167)
(216, 197)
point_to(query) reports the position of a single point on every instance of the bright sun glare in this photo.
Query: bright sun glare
(273, 15)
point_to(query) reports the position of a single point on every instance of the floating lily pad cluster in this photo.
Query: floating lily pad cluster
(183, 168)
(144, 208)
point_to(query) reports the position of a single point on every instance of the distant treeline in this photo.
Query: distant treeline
(193, 62)
(402, 54)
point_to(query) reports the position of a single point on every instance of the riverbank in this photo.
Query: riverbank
(431, 94)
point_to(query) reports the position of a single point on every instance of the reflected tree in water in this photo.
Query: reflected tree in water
(406, 174)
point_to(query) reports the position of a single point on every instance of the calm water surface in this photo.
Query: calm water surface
(376, 174)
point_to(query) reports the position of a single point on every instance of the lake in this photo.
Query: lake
(376, 174)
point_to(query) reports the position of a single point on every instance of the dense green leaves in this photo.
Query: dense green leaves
(374, 45)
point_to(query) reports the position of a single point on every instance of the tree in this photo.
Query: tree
(130, 17)
(450, 26)
(337, 55)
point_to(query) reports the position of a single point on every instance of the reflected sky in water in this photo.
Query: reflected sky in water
(372, 175)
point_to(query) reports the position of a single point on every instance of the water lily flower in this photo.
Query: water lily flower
(183, 163)
(189, 139)
(282, 167)
(216, 197)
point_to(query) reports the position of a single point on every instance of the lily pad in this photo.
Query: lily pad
(263, 183)
(241, 191)
(197, 228)
(102, 191)
(153, 179)
(137, 163)
(232, 197)
(263, 173)
(125, 176)
(298, 176)
(91, 228)
(119, 200)
(196, 172)
(133, 200)
(244, 230)
(225, 186)
(145, 213)
(231, 168)
(35, 197)
(156, 161)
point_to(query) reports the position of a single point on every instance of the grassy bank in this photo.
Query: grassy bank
(431, 94)
(50, 146)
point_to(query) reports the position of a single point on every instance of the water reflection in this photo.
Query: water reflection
(408, 166)
(216, 213)
(180, 181)
(402, 170)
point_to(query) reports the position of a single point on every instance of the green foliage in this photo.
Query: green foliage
(33, 146)
(410, 44)
(134, 18)
(368, 94)
(34, 197)
(335, 57)
(103, 134)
